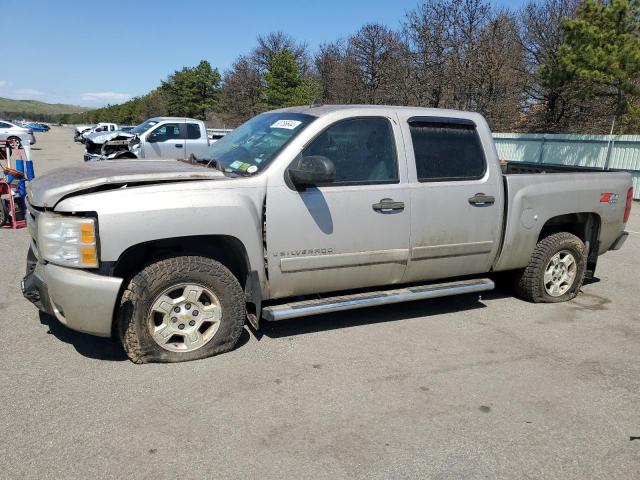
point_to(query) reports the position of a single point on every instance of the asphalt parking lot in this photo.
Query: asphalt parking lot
(454, 388)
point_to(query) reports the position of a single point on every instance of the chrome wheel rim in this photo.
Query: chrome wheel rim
(184, 317)
(560, 273)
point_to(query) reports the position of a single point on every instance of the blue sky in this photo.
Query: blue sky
(92, 53)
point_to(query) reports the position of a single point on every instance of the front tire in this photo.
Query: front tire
(556, 270)
(180, 309)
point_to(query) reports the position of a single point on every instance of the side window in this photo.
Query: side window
(193, 131)
(447, 151)
(362, 150)
(4, 125)
(168, 131)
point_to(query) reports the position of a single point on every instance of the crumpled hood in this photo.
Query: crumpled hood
(102, 137)
(50, 188)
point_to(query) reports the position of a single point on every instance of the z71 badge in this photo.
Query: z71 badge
(610, 198)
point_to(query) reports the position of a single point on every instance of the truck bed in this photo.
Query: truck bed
(537, 193)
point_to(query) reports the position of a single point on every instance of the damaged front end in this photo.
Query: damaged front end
(113, 146)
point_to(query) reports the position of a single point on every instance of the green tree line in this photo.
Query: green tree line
(551, 66)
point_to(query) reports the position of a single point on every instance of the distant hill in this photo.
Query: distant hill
(36, 110)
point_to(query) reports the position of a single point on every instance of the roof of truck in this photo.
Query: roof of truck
(177, 119)
(321, 110)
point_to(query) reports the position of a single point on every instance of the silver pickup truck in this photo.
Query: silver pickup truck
(160, 137)
(304, 211)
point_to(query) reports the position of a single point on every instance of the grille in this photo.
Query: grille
(32, 225)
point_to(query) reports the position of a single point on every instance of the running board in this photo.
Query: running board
(370, 299)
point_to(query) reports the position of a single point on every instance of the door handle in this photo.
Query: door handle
(482, 200)
(178, 145)
(387, 205)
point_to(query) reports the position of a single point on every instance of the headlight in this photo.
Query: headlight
(68, 241)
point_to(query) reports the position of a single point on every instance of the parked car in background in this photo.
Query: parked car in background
(100, 127)
(159, 137)
(37, 127)
(9, 131)
(79, 130)
(304, 211)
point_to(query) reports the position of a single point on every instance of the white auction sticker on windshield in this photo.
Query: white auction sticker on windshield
(252, 169)
(288, 124)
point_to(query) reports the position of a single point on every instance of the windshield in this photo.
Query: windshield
(249, 148)
(143, 127)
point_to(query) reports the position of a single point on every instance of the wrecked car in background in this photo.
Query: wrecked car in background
(79, 130)
(159, 137)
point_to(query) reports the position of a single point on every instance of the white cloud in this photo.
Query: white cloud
(27, 92)
(105, 97)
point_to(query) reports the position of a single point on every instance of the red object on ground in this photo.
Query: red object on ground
(7, 196)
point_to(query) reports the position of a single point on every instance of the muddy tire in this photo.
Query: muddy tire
(180, 309)
(556, 270)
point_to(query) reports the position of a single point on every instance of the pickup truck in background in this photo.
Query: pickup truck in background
(99, 128)
(159, 138)
(304, 211)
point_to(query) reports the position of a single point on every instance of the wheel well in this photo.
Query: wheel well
(225, 249)
(585, 226)
(125, 154)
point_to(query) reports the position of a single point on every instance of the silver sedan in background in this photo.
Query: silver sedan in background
(9, 131)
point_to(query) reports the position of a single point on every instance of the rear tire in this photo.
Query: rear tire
(180, 309)
(556, 270)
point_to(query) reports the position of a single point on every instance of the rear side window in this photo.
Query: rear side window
(447, 151)
(5, 125)
(193, 131)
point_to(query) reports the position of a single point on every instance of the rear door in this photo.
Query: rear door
(456, 198)
(351, 233)
(196, 140)
(165, 141)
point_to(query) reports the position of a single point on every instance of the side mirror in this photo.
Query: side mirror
(312, 170)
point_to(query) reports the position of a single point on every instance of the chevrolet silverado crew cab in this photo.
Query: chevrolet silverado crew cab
(304, 211)
(160, 137)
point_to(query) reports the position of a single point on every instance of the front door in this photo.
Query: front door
(351, 233)
(456, 198)
(165, 141)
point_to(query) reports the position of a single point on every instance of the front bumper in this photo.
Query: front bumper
(80, 300)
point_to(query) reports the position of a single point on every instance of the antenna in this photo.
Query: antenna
(316, 103)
